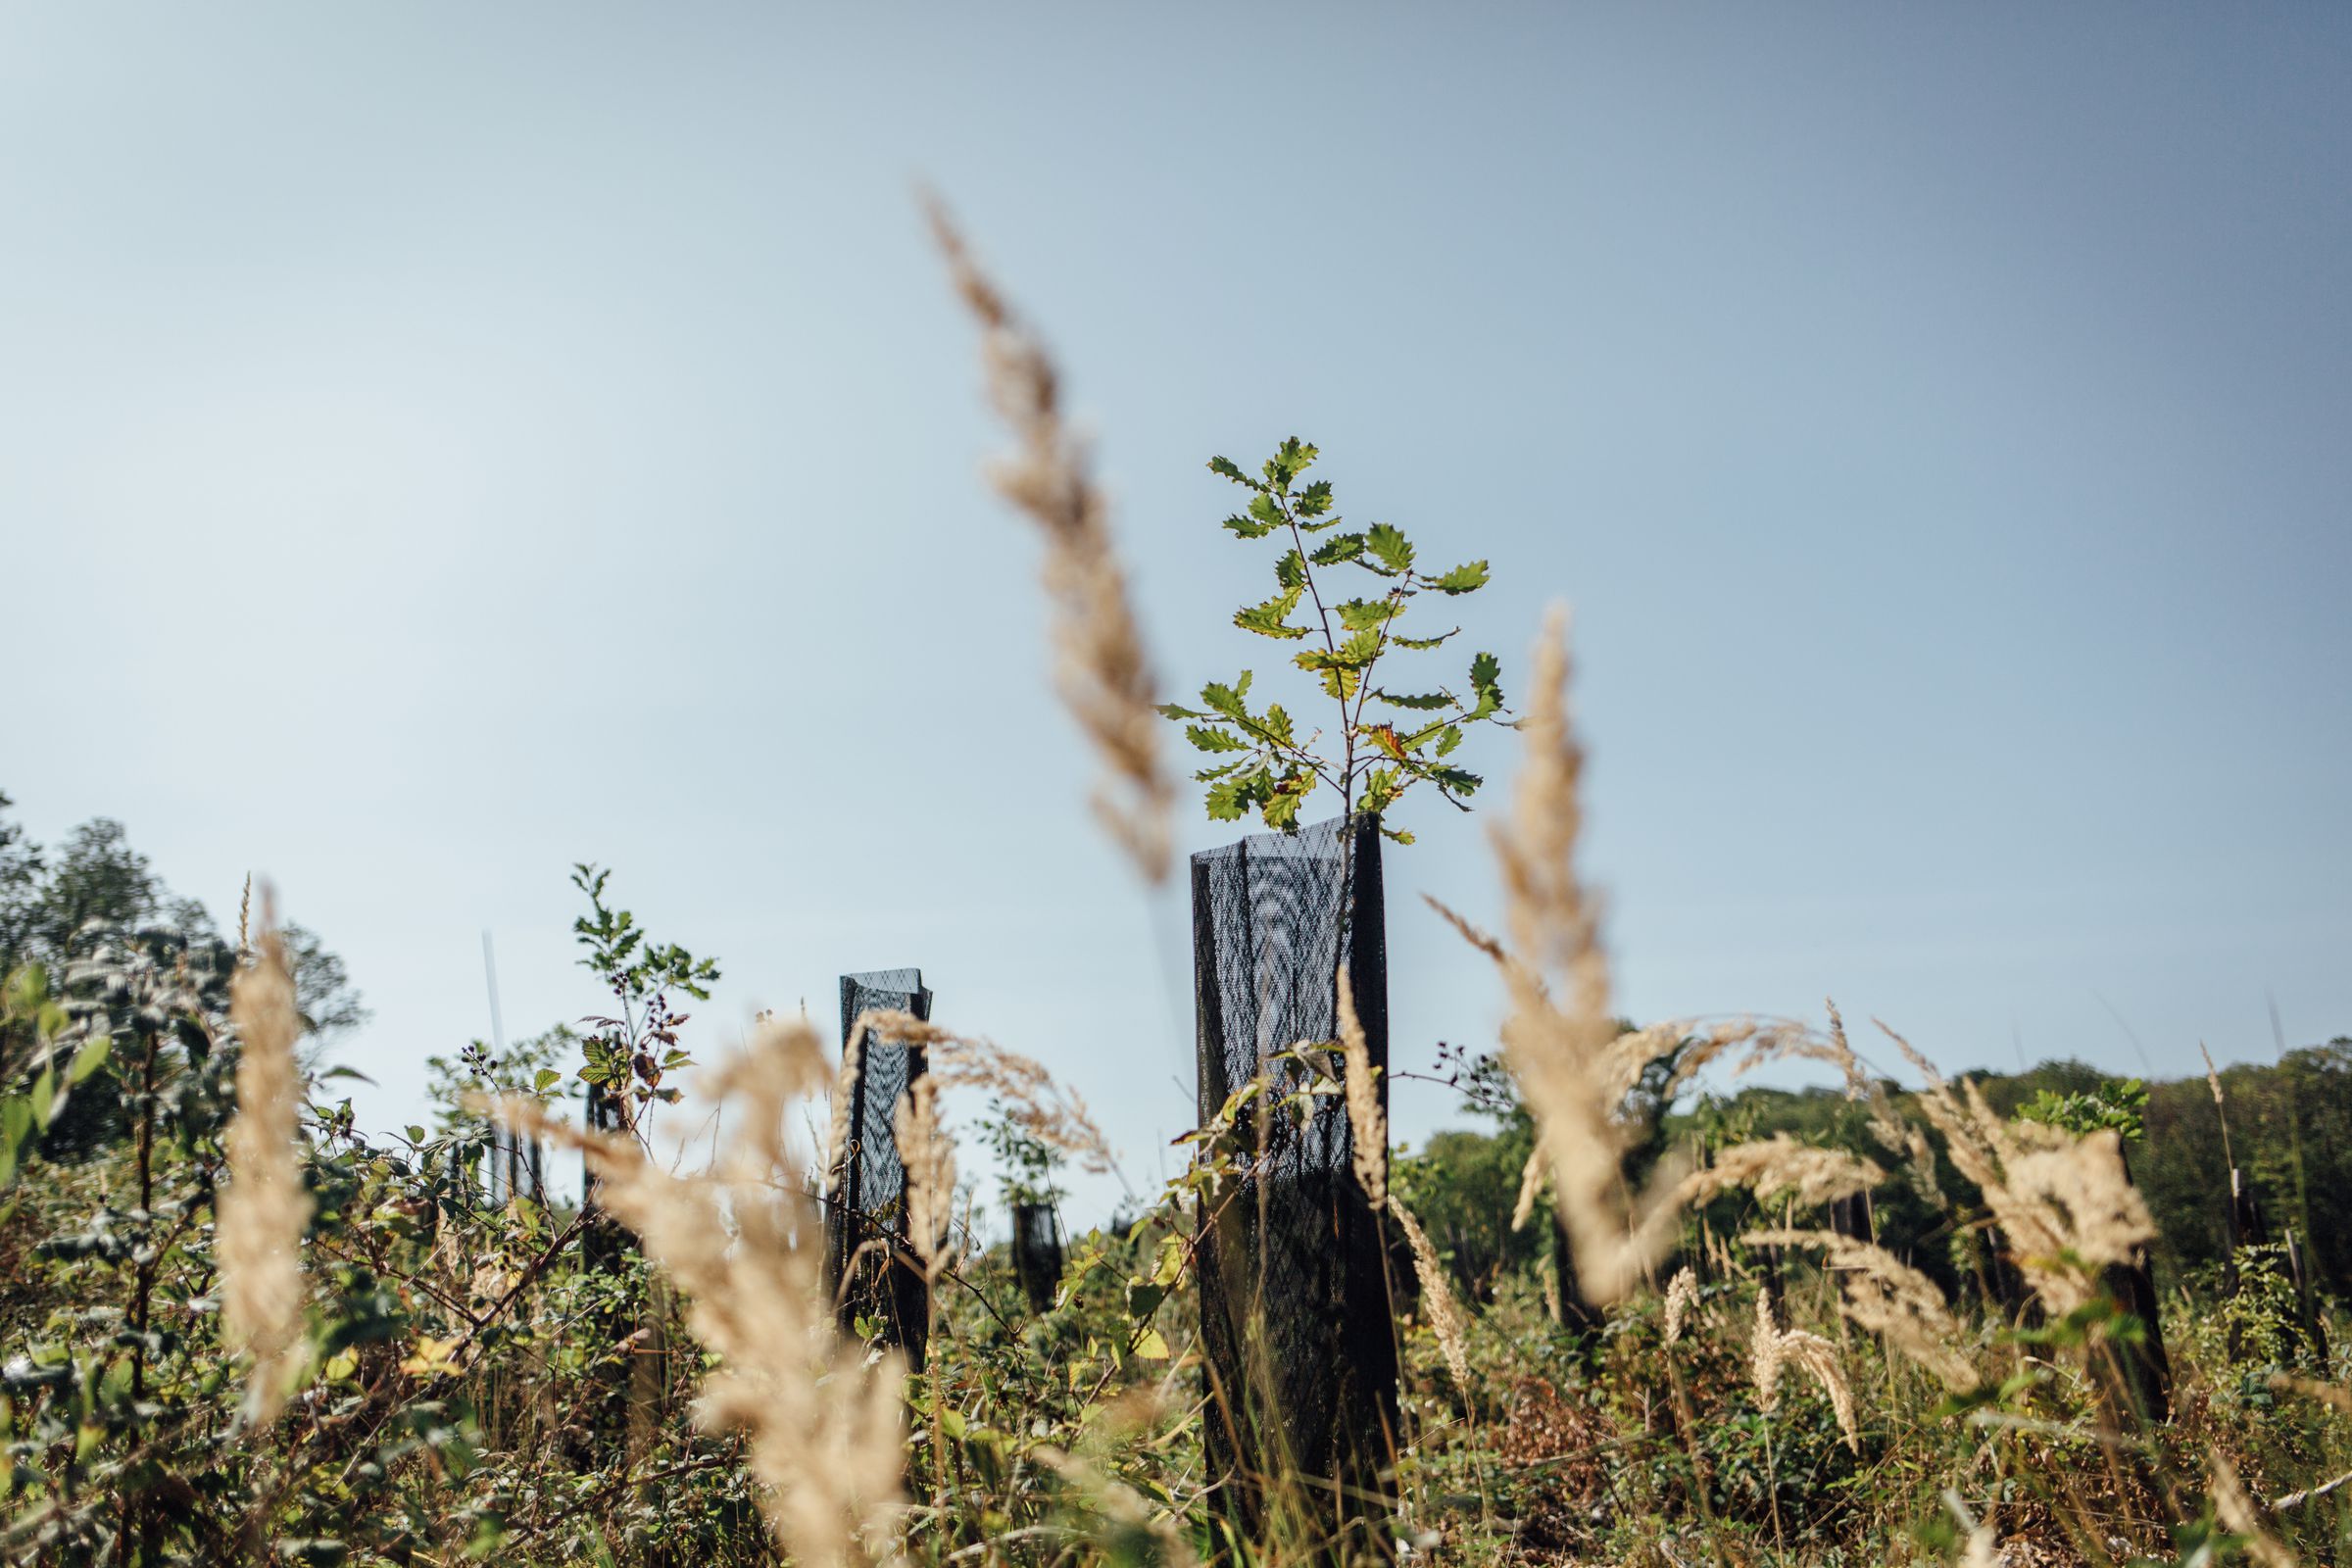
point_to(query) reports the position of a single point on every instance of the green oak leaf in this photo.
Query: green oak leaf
(1357, 614)
(1353, 654)
(1389, 548)
(1269, 618)
(1208, 738)
(1465, 578)
(1227, 700)
(1287, 462)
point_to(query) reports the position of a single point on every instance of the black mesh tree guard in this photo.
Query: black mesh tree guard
(1296, 1326)
(1037, 1253)
(867, 1259)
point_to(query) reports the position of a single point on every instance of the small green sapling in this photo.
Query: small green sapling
(1386, 741)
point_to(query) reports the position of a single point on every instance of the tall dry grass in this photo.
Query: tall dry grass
(744, 1241)
(1031, 1097)
(1367, 1123)
(263, 1209)
(1887, 1297)
(1560, 1037)
(1102, 671)
(1773, 1348)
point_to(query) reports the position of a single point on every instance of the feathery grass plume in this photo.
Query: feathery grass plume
(1980, 1552)
(1787, 1040)
(929, 1155)
(1773, 1348)
(1533, 1181)
(263, 1209)
(834, 1161)
(1701, 1047)
(1780, 1163)
(1719, 1257)
(1682, 1299)
(2063, 1201)
(1764, 1356)
(1887, 1297)
(2236, 1514)
(1366, 1121)
(1477, 937)
(1558, 1036)
(1895, 1132)
(1104, 674)
(2221, 1106)
(1053, 1113)
(743, 1240)
(245, 923)
(1445, 1318)
(1819, 1357)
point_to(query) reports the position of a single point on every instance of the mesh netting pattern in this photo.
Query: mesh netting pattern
(1295, 1314)
(866, 1217)
(1037, 1253)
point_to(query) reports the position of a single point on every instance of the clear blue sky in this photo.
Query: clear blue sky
(444, 443)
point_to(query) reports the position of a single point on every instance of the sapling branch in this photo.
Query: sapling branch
(1266, 769)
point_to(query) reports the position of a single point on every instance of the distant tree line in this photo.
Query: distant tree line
(51, 896)
(2290, 1131)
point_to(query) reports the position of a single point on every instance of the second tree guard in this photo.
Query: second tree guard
(866, 1263)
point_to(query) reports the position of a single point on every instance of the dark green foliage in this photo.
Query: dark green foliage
(96, 877)
(1267, 765)
(2117, 1105)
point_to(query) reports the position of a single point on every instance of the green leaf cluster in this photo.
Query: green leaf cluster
(2115, 1104)
(1343, 594)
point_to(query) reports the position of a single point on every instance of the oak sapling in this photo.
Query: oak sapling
(1386, 740)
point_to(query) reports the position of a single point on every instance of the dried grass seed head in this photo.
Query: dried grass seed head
(1367, 1123)
(1103, 675)
(1446, 1319)
(929, 1156)
(1887, 1297)
(744, 1243)
(1780, 1164)
(1681, 1300)
(263, 1209)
